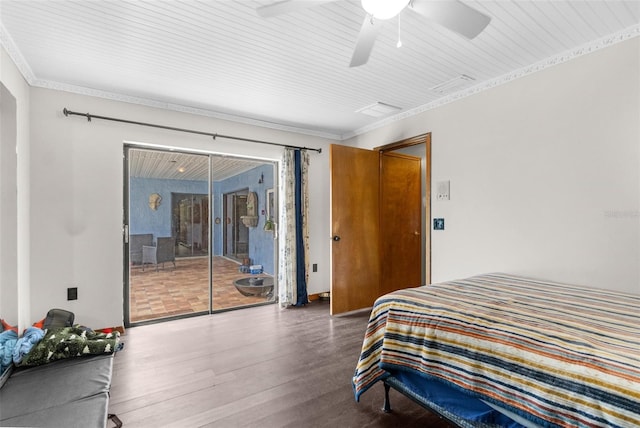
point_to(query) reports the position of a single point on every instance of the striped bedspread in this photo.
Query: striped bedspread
(556, 354)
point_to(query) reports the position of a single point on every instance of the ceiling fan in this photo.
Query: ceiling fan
(451, 14)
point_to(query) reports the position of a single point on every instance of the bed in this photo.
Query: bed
(500, 350)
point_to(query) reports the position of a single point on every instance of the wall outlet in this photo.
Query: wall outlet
(72, 293)
(438, 224)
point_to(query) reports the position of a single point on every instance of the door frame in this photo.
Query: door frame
(176, 198)
(234, 224)
(426, 220)
(127, 147)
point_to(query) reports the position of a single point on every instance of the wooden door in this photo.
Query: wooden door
(355, 254)
(376, 220)
(400, 222)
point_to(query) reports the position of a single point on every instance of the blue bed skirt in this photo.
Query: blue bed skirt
(449, 402)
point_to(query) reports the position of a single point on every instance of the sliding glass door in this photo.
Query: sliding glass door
(244, 265)
(187, 251)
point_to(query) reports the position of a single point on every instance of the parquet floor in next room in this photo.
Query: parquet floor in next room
(256, 367)
(184, 289)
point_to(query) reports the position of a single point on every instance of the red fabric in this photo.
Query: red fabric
(6, 326)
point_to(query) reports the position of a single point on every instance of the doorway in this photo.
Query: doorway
(175, 261)
(190, 223)
(380, 201)
(236, 233)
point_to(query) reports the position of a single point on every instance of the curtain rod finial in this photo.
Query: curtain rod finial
(65, 111)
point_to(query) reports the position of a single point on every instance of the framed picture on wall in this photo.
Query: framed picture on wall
(271, 204)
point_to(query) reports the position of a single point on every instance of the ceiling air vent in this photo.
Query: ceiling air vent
(378, 110)
(455, 83)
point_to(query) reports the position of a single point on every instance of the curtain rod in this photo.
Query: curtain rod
(90, 116)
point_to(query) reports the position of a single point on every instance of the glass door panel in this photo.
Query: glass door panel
(240, 241)
(168, 217)
(197, 241)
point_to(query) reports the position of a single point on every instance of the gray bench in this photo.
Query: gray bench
(66, 393)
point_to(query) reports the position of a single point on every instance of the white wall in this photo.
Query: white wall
(9, 205)
(545, 181)
(77, 195)
(544, 173)
(14, 220)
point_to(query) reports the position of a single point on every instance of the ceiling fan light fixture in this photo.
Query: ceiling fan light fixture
(384, 9)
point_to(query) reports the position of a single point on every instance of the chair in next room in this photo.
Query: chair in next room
(163, 251)
(136, 242)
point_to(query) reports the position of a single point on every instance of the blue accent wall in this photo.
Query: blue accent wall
(145, 220)
(261, 243)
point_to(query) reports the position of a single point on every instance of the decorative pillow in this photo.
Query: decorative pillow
(69, 342)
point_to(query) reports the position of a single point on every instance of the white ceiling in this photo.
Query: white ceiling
(219, 58)
(173, 165)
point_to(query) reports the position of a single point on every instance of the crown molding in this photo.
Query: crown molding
(113, 96)
(14, 53)
(7, 42)
(147, 102)
(587, 48)
(16, 56)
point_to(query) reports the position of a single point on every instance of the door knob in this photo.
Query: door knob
(336, 238)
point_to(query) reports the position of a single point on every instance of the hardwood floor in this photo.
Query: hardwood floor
(256, 367)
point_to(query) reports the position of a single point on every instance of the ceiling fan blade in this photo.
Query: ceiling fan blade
(287, 6)
(366, 39)
(454, 15)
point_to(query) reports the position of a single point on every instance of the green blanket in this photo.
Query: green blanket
(70, 342)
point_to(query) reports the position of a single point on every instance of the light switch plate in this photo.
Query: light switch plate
(442, 190)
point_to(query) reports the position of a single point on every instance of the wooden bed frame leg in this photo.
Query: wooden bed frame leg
(387, 404)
